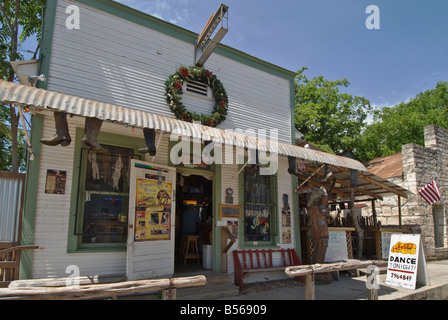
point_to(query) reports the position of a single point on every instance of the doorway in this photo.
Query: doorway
(194, 216)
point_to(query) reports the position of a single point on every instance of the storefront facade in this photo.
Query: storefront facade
(118, 210)
(123, 57)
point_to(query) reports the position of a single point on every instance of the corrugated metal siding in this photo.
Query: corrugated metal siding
(10, 204)
(121, 63)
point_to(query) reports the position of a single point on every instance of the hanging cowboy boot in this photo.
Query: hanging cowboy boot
(150, 138)
(62, 135)
(292, 168)
(92, 128)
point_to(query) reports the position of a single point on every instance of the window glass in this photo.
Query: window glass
(257, 205)
(105, 195)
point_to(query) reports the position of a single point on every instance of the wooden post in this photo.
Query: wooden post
(310, 288)
(399, 211)
(223, 251)
(375, 220)
(310, 270)
(372, 291)
(169, 294)
(372, 294)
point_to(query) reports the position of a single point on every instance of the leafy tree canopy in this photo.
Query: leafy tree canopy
(328, 118)
(404, 123)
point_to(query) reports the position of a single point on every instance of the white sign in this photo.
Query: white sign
(337, 246)
(406, 262)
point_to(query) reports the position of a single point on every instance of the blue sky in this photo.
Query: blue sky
(407, 55)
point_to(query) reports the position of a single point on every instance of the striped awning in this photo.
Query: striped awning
(22, 95)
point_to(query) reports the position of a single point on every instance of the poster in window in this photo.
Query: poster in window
(153, 202)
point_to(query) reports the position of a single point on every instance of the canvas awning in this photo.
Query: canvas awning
(22, 95)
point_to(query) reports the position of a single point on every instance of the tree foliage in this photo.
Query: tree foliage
(19, 20)
(337, 121)
(404, 123)
(331, 119)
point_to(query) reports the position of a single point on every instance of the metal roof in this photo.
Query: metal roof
(44, 99)
(369, 185)
(386, 167)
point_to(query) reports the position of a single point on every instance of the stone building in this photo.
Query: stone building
(413, 168)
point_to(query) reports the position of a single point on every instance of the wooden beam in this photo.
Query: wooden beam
(382, 185)
(8, 265)
(19, 248)
(303, 270)
(378, 183)
(326, 187)
(346, 183)
(101, 290)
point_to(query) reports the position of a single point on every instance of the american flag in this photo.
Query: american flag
(430, 192)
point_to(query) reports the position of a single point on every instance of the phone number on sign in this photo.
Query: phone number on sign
(400, 276)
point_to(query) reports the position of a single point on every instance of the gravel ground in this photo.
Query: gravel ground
(269, 285)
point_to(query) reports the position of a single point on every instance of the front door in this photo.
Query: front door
(150, 247)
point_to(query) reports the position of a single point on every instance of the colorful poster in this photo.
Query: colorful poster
(55, 182)
(153, 202)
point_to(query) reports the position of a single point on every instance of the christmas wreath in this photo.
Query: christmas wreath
(174, 95)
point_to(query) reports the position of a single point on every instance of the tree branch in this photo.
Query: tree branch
(6, 18)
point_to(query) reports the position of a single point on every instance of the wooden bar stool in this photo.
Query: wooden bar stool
(191, 248)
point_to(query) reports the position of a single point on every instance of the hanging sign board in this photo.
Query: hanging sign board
(406, 262)
(337, 246)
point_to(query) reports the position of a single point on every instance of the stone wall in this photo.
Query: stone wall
(421, 164)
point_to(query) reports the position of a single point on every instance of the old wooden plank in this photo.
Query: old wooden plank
(100, 290)
(303, 270)
(61, 282)
(8, 265)
(19, 248)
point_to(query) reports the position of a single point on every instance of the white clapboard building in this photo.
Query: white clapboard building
(109, 73)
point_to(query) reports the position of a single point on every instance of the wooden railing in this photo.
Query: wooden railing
(310, 270)
(10, 264)
(58, 290)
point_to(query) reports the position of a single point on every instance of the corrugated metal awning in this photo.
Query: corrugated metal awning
(18, 94)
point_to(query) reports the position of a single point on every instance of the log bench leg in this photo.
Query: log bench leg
(310, 288)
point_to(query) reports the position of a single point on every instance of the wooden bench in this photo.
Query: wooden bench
(10, 264)
(261, 260)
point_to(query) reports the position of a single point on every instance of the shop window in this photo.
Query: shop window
(439, 226)
(259, 209)
(104, 195)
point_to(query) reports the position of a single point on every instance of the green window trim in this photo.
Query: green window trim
(74, 242)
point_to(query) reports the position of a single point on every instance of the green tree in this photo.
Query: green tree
(328, 118)
(19, 20)
(404, 123)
